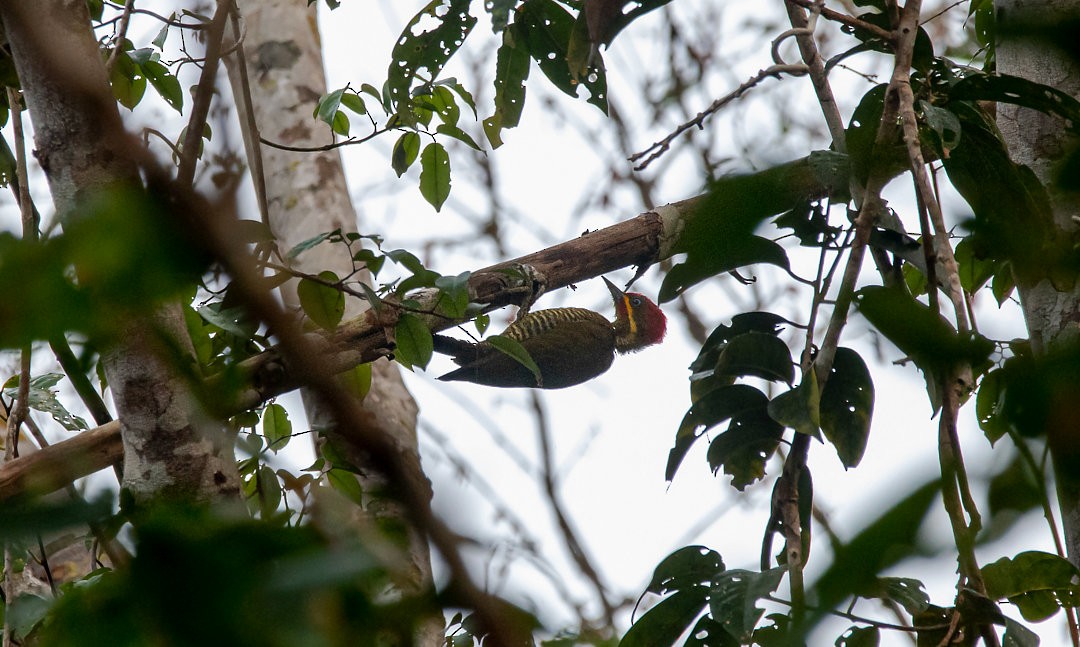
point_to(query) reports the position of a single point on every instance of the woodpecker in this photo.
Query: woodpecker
(569, 345)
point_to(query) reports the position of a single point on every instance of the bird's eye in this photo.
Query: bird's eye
(635, 301)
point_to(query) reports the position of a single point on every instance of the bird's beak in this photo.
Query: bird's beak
(616, 293)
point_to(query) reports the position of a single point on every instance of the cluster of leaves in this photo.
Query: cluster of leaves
(552, 33)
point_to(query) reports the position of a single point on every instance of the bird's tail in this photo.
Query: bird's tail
(461, 351)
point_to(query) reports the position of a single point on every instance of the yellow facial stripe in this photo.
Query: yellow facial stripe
(630, 316)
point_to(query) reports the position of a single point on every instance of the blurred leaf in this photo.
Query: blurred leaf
(22, 519)
(922, 54)
(710, 633)
(1017, 635)
(276, 426)
(500, 13)
(884, 542)
(847, 406)
(24, 613)
(919, 332)
(664, 623)
(414, 344)
(974, 271)
(906, 592)
(990, 404)
(344, 481)
(435, 174)
(357, 380)
(235, 321)
(303, 246)
(712, 409)
(420, 53)
(322, 303)
(800, 407)
(1015, 488)
(943, 123)
(1005, 88)
(455, 294)
(718, 233)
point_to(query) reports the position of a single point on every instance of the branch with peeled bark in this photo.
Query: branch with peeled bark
(641, 241)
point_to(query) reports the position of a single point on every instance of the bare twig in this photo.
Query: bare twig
(121, 35)
(204, 92)
(577, 551)
(653, 152)
(326, 147)
(843, 18)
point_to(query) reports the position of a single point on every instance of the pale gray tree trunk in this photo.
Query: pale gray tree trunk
(307, 195)
(170, 451)
(1040, 142)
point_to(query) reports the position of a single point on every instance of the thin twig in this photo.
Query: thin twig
(121, 36)
(844, 19)
(247, 108)
(326, 147)
(204, 92)
(659, 148)
(577, 551)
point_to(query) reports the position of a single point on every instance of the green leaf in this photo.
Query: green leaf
(41, 397)
(276, 426)
(435, 174)
(718, 235)
(713, 408)
(518, 352)
(455, 294)
(414, 343)
(511, 72)
(482, 321)
(323, 304)
(799, 408)
(458, 134)
(345, 482)
(1032, 581)
(944, 124)
(500, 13)
(25, 612)
(303, 246)
(974, 271)
(357, 380)
(234, 321)
(847, 406)
(758, 355)
(990, 406)
(734, 596)
(763, 322)
(1005, 88)
(419, 55)
(546, 28)
(159, 40)
(664, 623)
(1015, 488)
(406, 149)
(165, 83)
(128, 81)
(1017, 635)
(745, 447)
(354, 102)
(686, 568)
(327, 108)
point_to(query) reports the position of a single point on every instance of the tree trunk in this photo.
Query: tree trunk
(82, 147)
(1040, 142)
(306, 195)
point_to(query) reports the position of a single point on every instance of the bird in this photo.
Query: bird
(569, 345)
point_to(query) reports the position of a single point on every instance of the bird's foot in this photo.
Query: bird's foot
(532, 287)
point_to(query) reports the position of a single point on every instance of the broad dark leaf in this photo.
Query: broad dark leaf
(414, 344)
(757, 354)
(714, 408)
(406, 150)
(745, 447)
(321, 300)
(860, 637)
(764, 322)
(664, 623)
(847, 406)
(685, 568)
(719, 235)
(1034, 581)
(435, 174)
(800, 407)
(546, 28)
(734, 596)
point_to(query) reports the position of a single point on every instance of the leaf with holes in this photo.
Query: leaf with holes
(420, 54)
(511, 72)
(713, 408)
(744, 448)
(435, 174)
(799, 408)
(847, 406)
(758, 355)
